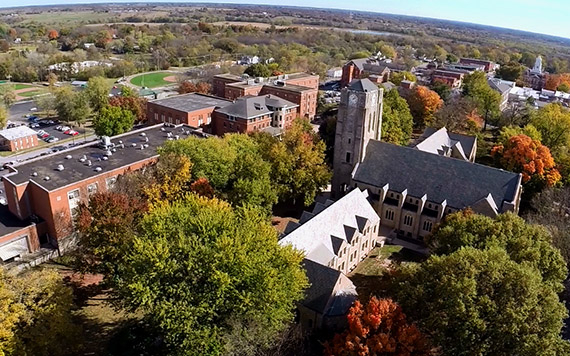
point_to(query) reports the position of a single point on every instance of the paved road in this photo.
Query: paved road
(18, 110)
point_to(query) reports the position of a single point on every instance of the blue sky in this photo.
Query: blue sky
(542, 16)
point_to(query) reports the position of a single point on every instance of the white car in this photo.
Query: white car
(33, 109)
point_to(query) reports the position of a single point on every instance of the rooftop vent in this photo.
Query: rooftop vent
(146, 145)
(143, 134)
(83, 159)
(177, 137)
(142, 146)
(34, 174)
(105, 158)
(108, 153)
(133, 144)
(257, 106)
(98, 169)
(120, 142)
(169, 134)
(46, 178)
(162, 129)
(60, 167)
(68, 157)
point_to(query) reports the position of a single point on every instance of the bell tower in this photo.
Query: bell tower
(359, 121)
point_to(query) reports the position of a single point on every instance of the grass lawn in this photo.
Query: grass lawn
(18, 86)
(151, 80)
(375, 264)
(29, 94)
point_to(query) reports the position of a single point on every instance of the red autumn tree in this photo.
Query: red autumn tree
(134, 104)
(527, 156)
(423, 103)
(379, 328)
(553, 81)
(53, 35)
(189, 87)
(202, 187)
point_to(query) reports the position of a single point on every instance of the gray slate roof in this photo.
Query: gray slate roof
(191, 102)
(254, 106)
(322, 281)
(459, 182)
(502, 86)
(362, 85)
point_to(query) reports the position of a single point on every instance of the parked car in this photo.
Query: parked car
(33, 109)
(33, 118)
(73, 133)
(44, 135)
(34, 125)
(63, 128)
(58, 148)
(52, 139)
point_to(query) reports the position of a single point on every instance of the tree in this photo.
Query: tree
(53, 35)
(252, 282)
(397, 121)
(442, 89)
(258, 70)
(475, 86)
(97, 92)
(553, 81)
(508, 132)
(134, 104)
(459, 115)
(512, 71)
(8, 97)
(379, 328)
(398, 77)
(72, 106)
(47, 104)
(524, 155)
(299, 171)
(564, 87)
(524, 243)
(423, 103)
(113, 120)
(327, 133)
(32, 305)
(189, 87)
(360, 54)
(233, 165)
(481, 302)
(3, 116)
(553, 123)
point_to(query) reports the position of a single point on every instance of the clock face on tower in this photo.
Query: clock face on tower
(353, 100)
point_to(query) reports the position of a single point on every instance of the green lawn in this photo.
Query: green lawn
(151, 80)
(375, 263)
(29, 94)
(18, 86)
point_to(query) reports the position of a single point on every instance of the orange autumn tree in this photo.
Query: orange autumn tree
(189, 87)
(554, 81)
(527, 156)
(423, 103)
(53, 35)
(379, 328)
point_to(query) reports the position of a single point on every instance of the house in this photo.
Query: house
(255, 113)
(412, 188)
(42, 193)
(448, 144)
(18, 138)
(503, 87)
(249, 60)
(362, 67)
(334, 72)
(334, 237)
(488, 66)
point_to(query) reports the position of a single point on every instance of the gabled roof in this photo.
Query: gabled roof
(460, 182)
(362, 85)
(502, 86)
(321, 296)
(253, 106)
(319, 232)
(437, 141)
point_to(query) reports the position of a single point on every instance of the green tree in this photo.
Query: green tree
(233, 165)
(327, 132)
(442, 89)
(97, 92)
(299, 171)
(258, 70)
(481, 302)
(565, 87)
(360, 54)
(72, 106)
(511, 71)
(397, 121)
(553, 123)
(8, 96)
(398, 77)
(509, 131)
(113, 120)
(3, 116)
(201, 271)
(47, 104)
(524, 243)
(488, 100)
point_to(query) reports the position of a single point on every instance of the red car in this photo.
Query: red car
(44, 135)
(73, 133)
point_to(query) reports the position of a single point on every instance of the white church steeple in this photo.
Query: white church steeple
(537, 65)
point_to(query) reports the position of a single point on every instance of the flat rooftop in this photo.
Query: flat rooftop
(191, 102)
(289, 87)
(9, 223)
(75, 162)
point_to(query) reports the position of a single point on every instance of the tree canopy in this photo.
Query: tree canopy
(481, 302)
(97, 92)
(378, 328)
(423, 103)
(113, 120)
(397, 121)
(199, 269)
(553, 123)
(488, 100)
(398, 77)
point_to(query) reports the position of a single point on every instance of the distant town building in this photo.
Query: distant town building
(535, 77)
(249, 60)
(18, 138)
(194, 110)
(334, 72)
(77, 67)
(504, 88)
(364, 67)
(488, 66)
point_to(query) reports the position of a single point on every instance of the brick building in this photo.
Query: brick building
(18, 138)
(42, 194)
(488, 66)
(194, 110)
(255, 113)
(299, 88)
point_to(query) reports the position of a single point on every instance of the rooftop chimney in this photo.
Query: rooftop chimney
(60, 167)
